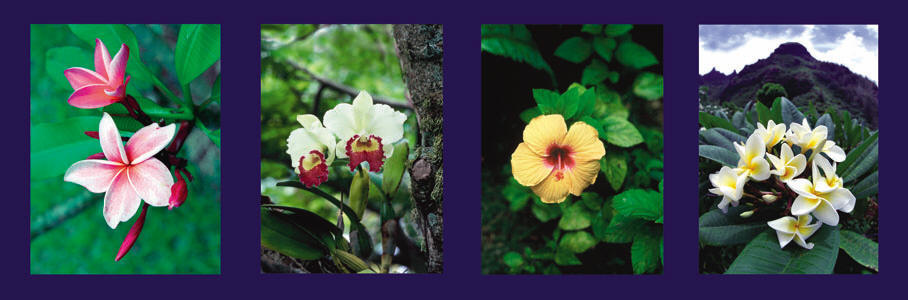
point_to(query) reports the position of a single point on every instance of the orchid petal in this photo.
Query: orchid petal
(148, 141)
(102, 59)
(111, 143)
(79, 77)
(151, 181)
(119, 196)
(387, 123)
(340, 121)
(94, 174)
(91, 96)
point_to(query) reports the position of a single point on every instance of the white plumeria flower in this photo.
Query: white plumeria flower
(833, 151)
(366, 131)
(772, 134)
(787, 165)
(728, 184)
(805, 137)
(822, 204)
(311, 150)
(831, 182)
(788, 229)
(752, 161)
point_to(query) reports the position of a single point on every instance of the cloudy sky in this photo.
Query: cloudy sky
(729, 48)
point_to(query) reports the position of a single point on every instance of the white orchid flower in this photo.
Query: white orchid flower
(772, 134)
(366, 131)
(787, 165)
(729, 184)
(788, 229)
(752, 161)
(311, 150)
(817, 199)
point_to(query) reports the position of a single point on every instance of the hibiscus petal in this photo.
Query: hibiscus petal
(117, 69)
(583, 175)
(120, 196)
(543, 131)
(553, 189)
(151, 181)
(111, 143)
(94, 174)
(102, 59)
(584, 142)
(527, 167)
(79, 77)
(148, 141)
(91, 96)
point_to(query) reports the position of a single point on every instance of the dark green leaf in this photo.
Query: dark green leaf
(622, 229)
(764, 256)
(514, 42)
(635, 56)
(620, 132)
(592, 28)
(56, 146)
(575, 49)
(790, 112)
(867, 187)
(710, 121)
(545, 212)
(648, 86)
(605, 47)
(530, 113)
(513, 259)
(719, 154)
(615, 169)
(639, 203)
(577, 241)
(594, 73)
(564, 257)
(722, 229)
(617, 29)
(216, 89)
(575, 217)
(826, 120)
(863, 250)
(645, 253)
(62, 58)
(595, 123)
(280, 234)
(856, 153)
(548, 101)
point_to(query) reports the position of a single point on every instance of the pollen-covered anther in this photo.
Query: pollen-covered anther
(362, 148)
(313, 169)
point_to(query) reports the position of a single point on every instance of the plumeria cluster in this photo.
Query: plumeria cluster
(360, 132)
(138, 171)
(791, 164)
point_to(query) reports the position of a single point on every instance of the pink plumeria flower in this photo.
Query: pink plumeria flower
(103, 86)
(129, 174)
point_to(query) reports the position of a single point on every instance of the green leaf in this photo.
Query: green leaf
(645, 256)
(622, 229)
(763, 113)
(61, 58)
(516, 194)
(776, 110)
(592, 28)
(719, 154)
(723, 229)
(575, 49)
(615, 169)
(790, 112)
(594, 73)
(577, 241)
(648, 86)
(863, 250)
(620, 132)
(586, 106)
(635, 55)
(545, 212)
(708, 120)
(575, 217)
(856, 153)
(865, 162)
(530, 113)
(150, 108)
(763, 255)
(595, 123)
(564, 257)
(570, 101)
(514, 42)
(513, 259)
(826, 120)
(216, 89)
(394, 168)
(867, 187)
(713, 137)
(56, 146)
(296, 184)
(282, 235)
(617, 29)
(198, 47)
(605, 47)
(547, 100)
(639, 203)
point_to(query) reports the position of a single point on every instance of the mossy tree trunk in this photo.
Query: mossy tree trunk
(420, 49)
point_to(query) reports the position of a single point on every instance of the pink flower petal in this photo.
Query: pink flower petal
(151, 181)
(110, 140)
(92, 96)
(79, 77)
(117, 68)
(119, 197)
(94, 174)
(148, 141)
(102, 58)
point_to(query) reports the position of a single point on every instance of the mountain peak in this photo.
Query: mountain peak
(792, 48)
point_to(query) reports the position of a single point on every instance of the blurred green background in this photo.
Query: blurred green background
(68, 232)
(361, 57)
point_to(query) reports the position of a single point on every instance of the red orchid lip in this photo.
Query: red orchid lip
(315, 175)
(369, 150)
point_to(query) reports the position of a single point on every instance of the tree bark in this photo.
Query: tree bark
(420, 49)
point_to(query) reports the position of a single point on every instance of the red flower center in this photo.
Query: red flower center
(313, 170)
(559, 157)
(365, 148)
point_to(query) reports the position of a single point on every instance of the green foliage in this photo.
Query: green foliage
(635, 56)
(575, 50)
(863, 250)
(763, 255)
(198, 47)
(769, 92)
(514, 42)
(648, 86)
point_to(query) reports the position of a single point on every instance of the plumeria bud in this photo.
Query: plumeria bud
(178, 192)
(133, 234)
(359, 192)
(92, 134)
(770, 198)
(747, 214)
(99, 155)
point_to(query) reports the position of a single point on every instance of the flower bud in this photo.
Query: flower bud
(770, 198)
(359, 192)
(178, 192)
(747, 214)
(133, 234)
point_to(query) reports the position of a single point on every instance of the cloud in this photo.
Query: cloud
(729, 48)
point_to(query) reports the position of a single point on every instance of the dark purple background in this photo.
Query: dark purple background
(240, 155)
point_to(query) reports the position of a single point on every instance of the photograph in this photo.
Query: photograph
(352, 148)
(563, 106)
(789, 149)
(125, 128)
